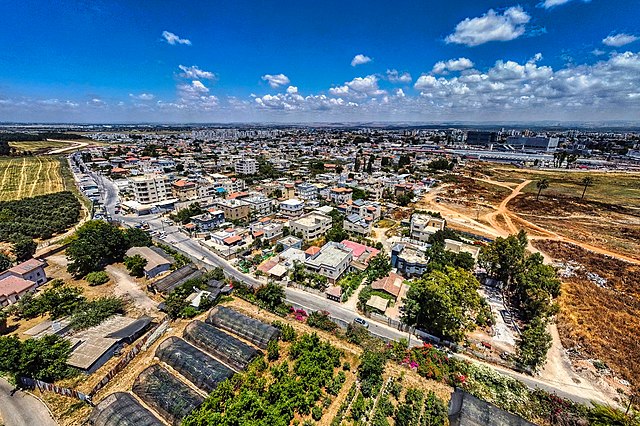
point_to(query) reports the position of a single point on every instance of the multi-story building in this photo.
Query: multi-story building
(184, 190)
(20, 280)
(148, 189)
(210, 220)
(234, 209)
(331, 261)
(410, 260)
(311, 225)
(307, 191)
(537, 143)
(424, 226)
(356, 224)
(340, 195)
(259, 204)
(460, 247)
(246, 166)
(292, 207)
(365, 209)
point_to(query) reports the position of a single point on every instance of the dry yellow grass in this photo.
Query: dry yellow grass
(22, 177)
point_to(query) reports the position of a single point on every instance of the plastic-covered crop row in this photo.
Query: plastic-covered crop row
(246, 327)
(202, 370)
(221, 345)
(122, 409)
(167, 395)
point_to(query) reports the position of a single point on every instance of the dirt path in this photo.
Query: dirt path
(126, 286)
(35, 181)
(23, 176)
(6, 171)
(74, 145)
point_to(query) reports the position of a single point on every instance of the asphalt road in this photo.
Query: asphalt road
(307, 300)
(22, 409)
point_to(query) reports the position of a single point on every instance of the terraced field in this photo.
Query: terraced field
(22, 177)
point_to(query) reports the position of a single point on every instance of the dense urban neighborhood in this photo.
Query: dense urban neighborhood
(318, 275)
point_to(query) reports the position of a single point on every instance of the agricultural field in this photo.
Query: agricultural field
(34, 146)
(599, 309)
(23, 177)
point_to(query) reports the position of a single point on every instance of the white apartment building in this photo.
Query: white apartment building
(311, 225)
(340, 195)
(331, 261)
(292, 207)
(246, 166)
(307, 191)
(149, 189)
(259, 204)
(424, 225)
(365, 209)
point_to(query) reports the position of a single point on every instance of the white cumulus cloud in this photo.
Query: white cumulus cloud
(276, 80)
(459, 64)
(173, 39)
(359, 87)
(395, 77)
(360, 59)
(193, 72)
(142, 96)
(548, 4)
(618, 40)
(492, 26)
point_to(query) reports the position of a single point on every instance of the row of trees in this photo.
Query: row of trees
(585, 182)
(530, 286)
(97, 244)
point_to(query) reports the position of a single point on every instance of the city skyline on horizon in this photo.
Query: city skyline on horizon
(162, 62)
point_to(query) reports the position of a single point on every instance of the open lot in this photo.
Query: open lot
(33, 146)
(22, 177)
(599, 307)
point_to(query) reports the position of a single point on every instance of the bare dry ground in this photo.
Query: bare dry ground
(599, 308)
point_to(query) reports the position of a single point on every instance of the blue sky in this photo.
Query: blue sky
(286, 61)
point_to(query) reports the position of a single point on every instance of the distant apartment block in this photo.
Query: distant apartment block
(331, 261)
(246, 166)
(311, 225)
(538, 143)
(424, 226)
(292, 207)
(148, 189)
(307, 192)
(259, 204)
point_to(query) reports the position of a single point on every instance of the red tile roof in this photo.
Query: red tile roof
(312, 250)
(233, 239)
(14, 285)
(392, 284)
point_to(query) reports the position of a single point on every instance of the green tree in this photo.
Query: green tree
(97, 278)
(370, 371)
(271, 295)
(5, 262)
(10, 350)
(95, 245)
(94, 312)
(541, 184)
(359, 194)
(443, 302)
(504, 257)
(24, 248)
(586, 182)
(534, 343)
(137, 237)
(405, 198)
(45, 359)
(273, 350)
(135, 265)
(378, 267)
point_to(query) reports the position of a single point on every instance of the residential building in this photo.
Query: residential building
(30, 270)
(424, 226)
(233, 209)
(292, 207)
(290, 242)
(246, 166)
(184, 190)
(13, 288)
(148, 189)
(158, 261)
(460, 247)
(210, 220)
(307, 191)
(362, 254)
(340, 195)
(356, 224)
(259, 204)
(331, 261)
(391, 284)
(363, 208)
(311, 225)
(267, 230)
(410, 260)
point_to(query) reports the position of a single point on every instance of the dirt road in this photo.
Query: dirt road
(127, 287)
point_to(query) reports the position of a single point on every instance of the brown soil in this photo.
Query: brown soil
(599, 321)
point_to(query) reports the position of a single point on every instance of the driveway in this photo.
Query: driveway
(22, 409)
(126, 286)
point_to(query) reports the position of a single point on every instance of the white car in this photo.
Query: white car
(361, 322)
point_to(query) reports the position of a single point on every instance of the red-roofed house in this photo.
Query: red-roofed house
(362, 254)
(184, 190)
(12, 288)
(391, 284)
(30, 270)
(311, 251)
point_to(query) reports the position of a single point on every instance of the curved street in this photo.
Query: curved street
(21, 409)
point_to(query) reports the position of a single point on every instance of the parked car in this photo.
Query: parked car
(361, 322)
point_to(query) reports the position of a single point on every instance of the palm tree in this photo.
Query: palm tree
(541, 184)
(587, 181)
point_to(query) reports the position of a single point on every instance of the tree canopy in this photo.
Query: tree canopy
(95, 245)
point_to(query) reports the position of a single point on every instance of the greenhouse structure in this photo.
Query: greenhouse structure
(246, 327)
(198, 367)
(221, 345)
(122, 409)
(165, 394)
